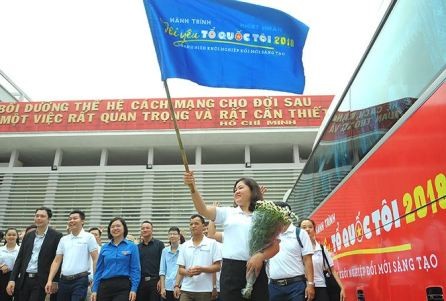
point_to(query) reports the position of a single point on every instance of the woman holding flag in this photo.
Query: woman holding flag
(237, 223)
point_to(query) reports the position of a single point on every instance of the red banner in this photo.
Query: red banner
(154, 114)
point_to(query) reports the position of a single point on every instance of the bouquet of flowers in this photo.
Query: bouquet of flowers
(268, 221)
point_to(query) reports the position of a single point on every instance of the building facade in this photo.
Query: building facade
(121, 157)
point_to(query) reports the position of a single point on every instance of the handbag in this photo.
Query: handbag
(333, 288)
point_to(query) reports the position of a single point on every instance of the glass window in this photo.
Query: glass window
(406, 57)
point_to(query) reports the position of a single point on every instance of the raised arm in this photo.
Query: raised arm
(213, 233)
(207, 211)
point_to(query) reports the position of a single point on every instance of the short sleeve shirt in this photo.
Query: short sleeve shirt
(76, 252)
(169, 267)
(205, 254)
(236, 226)
(318, 266)
(288, 262)
(8, 257)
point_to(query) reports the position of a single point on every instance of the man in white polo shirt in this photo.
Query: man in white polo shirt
(198, 259)
(75, 251)
(291, 270)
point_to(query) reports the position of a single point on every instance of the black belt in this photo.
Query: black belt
(31, 275)
(74, 277)
(148, 278)
(286, 281)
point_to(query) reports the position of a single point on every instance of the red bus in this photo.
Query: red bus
(375, 182)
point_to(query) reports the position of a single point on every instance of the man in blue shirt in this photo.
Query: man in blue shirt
(168, 265)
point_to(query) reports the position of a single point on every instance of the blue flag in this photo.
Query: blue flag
(227, 43)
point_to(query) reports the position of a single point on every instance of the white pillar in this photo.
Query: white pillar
(57, 159)
(247, 156)
(104, 157)
(296, 155)
(150, 158)
(14, 159)
(198, 155)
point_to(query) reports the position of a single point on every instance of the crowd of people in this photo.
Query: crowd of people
(210, 265)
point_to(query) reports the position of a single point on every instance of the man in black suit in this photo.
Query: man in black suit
(32, 266)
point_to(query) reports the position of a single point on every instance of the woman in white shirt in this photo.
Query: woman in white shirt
(318, 264)
(237, 223)
(8, 255)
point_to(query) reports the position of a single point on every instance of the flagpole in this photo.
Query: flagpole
(177, 131)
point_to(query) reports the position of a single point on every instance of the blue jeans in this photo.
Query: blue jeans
(73, 290)
(291, 292)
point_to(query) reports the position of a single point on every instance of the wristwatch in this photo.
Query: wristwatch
(310, 283)
(214, 287)
(176, 285)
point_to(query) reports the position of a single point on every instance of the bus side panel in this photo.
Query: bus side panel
(386, 225)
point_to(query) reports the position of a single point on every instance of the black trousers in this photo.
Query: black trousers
(170, 297)
(147, 290)
(114, 289)
(4, 279)
(321, 294)
(233, 280)
(31, 290)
